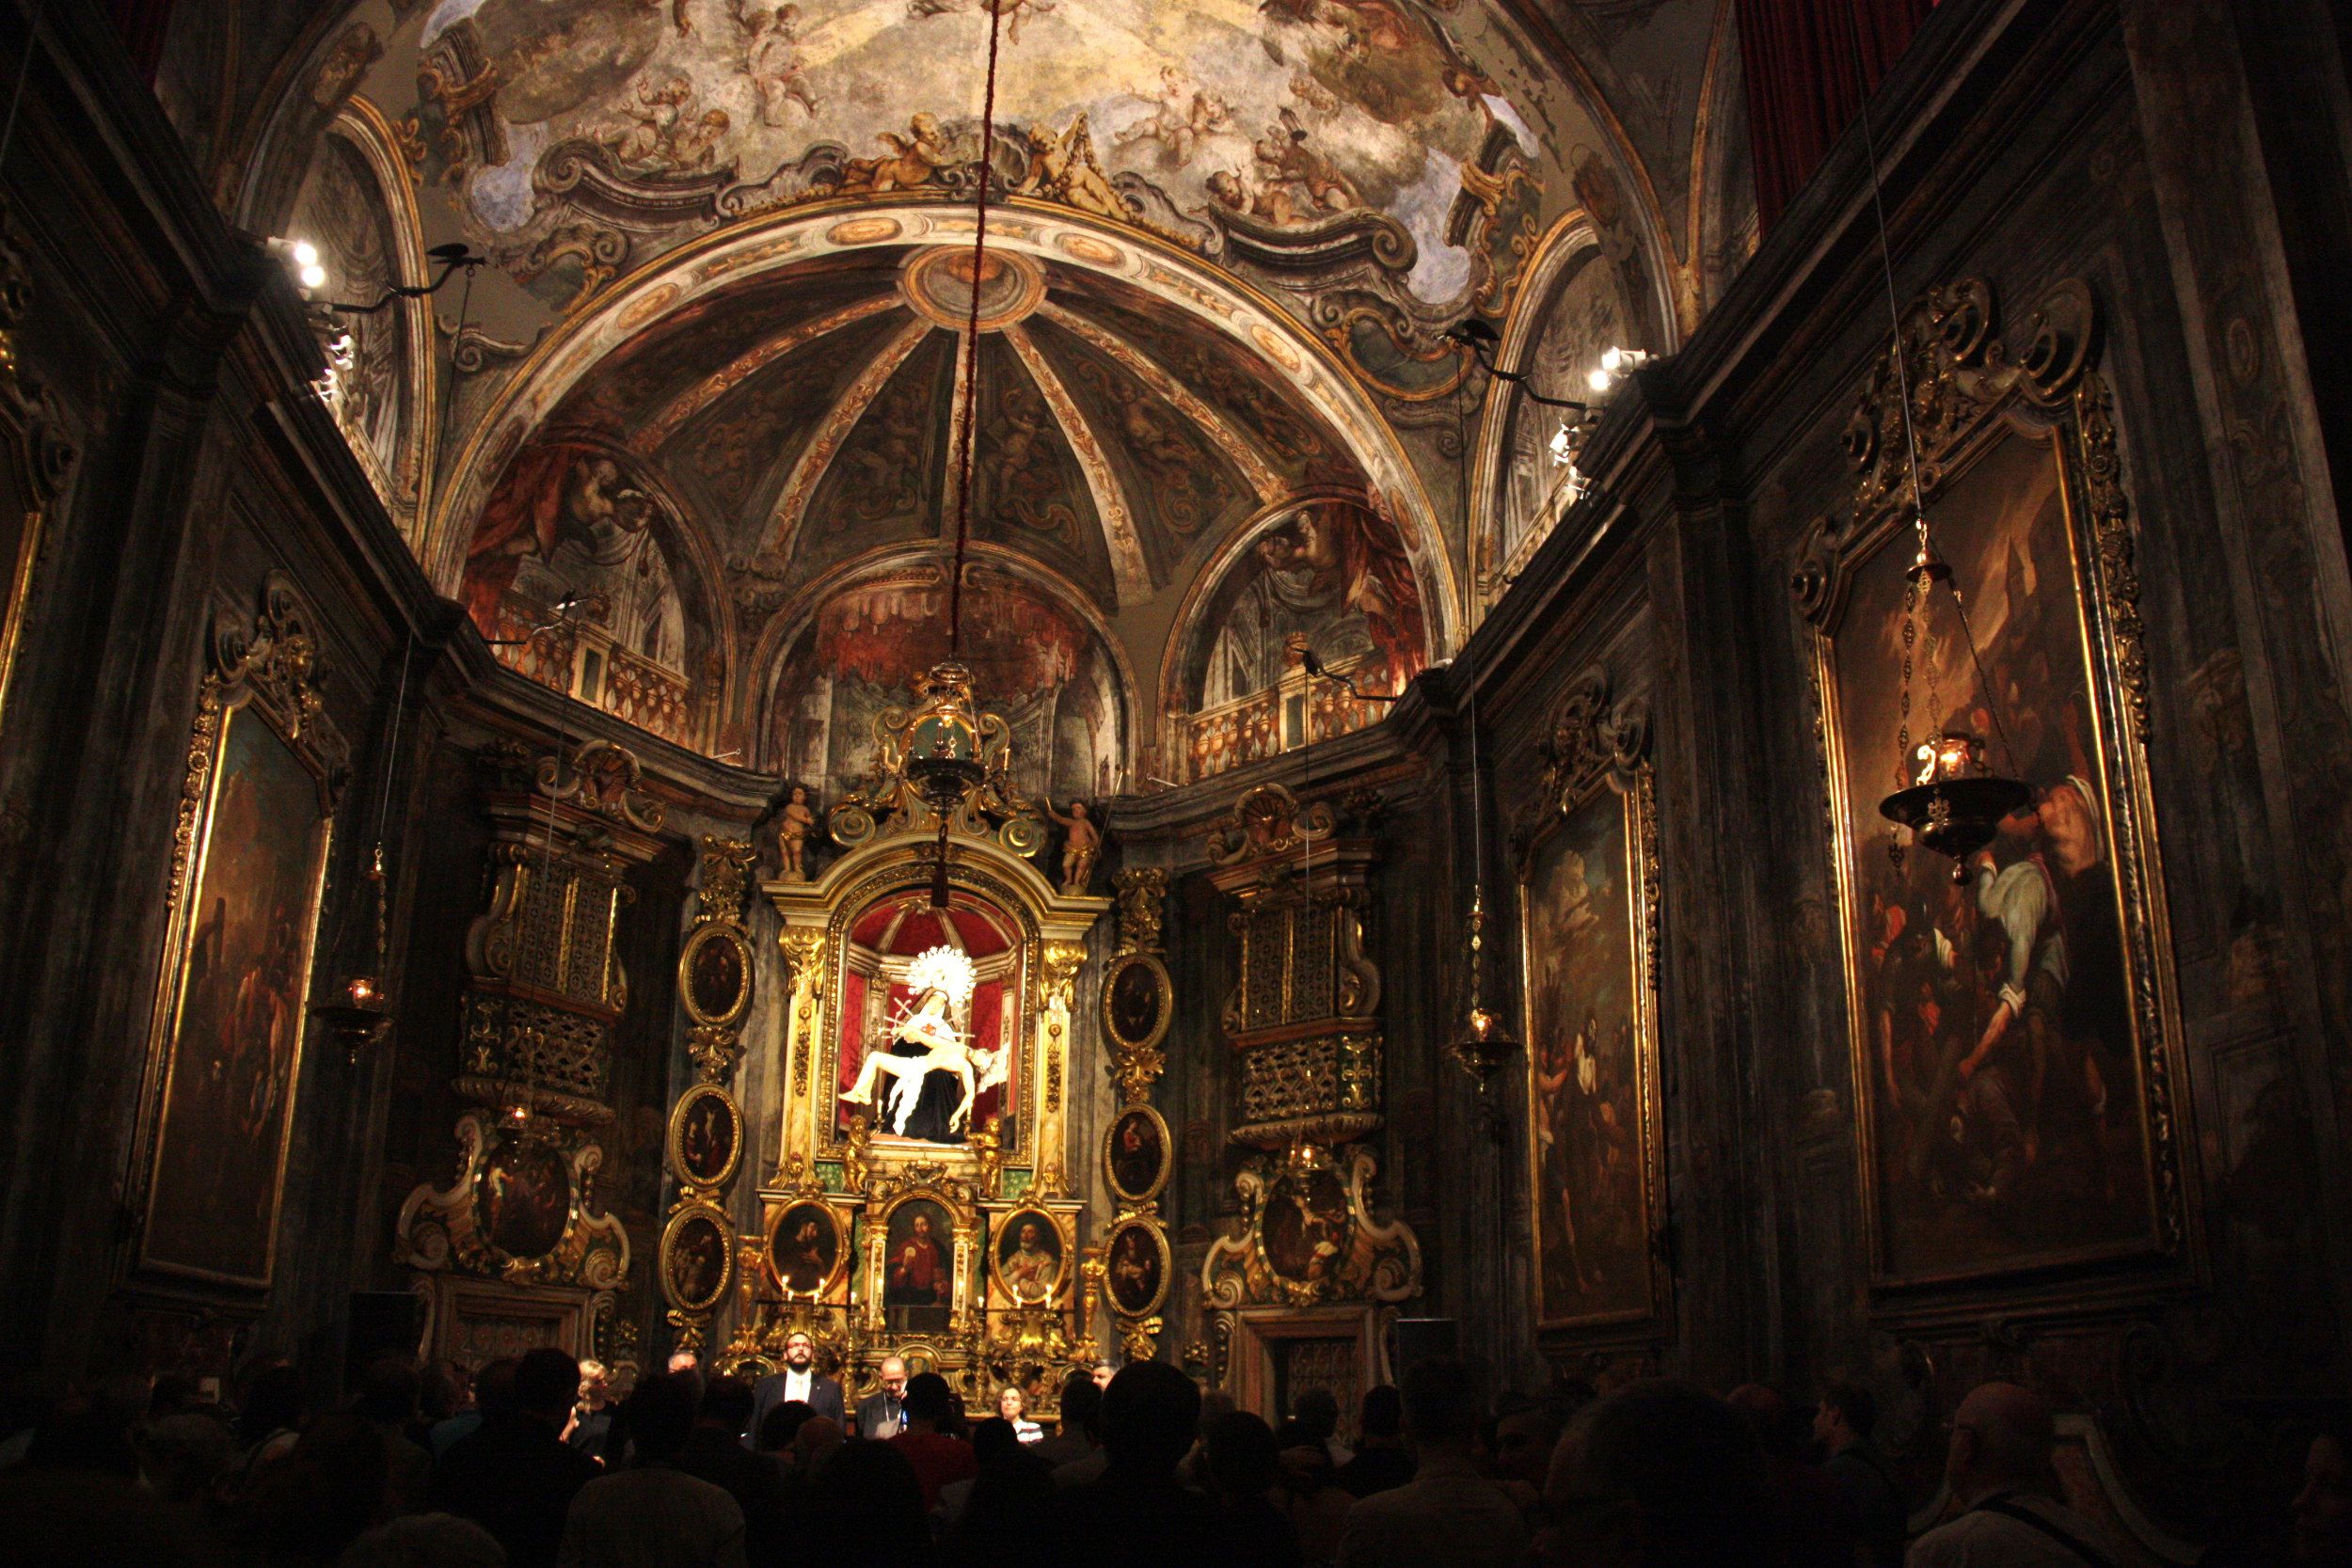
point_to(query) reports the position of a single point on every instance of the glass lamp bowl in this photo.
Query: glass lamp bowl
(943, 760)
(1956, 803)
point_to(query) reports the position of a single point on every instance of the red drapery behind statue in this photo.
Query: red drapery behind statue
(141, 23)
(1804, 81)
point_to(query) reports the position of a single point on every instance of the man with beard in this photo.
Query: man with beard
(800, 1380)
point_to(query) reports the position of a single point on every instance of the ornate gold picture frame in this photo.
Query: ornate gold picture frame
(714, 974)
(1138, 1001)
(2013, 1035)
(1013, 1271)
(1139, 1267)
(1588, 951)
(697, 1257)
(706, 1143)
(809, 1248)
(266, 766)
(1137, 1155)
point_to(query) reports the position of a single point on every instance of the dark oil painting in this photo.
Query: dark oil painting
(1136, 1271)
(706, 1138)
(1138, 1150)
(236, 1046)
(1996, 1042)
(698, 1262)
(1029, 1256)
(524, 1198)
(805, 1247)
(1584, 1050)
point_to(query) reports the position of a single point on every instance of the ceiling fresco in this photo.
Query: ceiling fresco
(712, 371)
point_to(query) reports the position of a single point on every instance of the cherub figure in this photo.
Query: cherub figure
(1185, 115)
(792, 829)
(1082, 846)
(649, 127)
(771, 59)
(1063, 168)
(913, 159)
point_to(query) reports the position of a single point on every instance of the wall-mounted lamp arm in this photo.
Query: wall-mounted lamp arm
(564, 608)
(453, 258)
(1477, 336)
(1314, 666)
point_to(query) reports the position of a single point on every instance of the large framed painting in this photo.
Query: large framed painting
(2012, 1018)
(1588, 929)
(250, 858)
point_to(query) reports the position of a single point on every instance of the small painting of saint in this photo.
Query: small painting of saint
(525, 1198)
(1137, 1270)
(916, 1270)
(805, 1247)
(708, 1130)
(1138, 1153)
(1029, 1257)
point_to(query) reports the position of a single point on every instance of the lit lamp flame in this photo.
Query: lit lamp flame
(1956, 801)
(1484, 1045)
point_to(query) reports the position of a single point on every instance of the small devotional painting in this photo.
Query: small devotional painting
(717, 975)
(1138, 1268)
(1306, 1227)
(918, 1261)
(696, 1261)
(524, 1198)
(1029, 1256)
(707, 1136)
(231, 1056)
(1135, 1001)
(1592, 1063)
(1134, 1154)
(1997, 1049)
(805, 1247)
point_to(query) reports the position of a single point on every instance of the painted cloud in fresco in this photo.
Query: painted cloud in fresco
(1277, 117)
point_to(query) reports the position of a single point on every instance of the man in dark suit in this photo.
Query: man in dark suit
(883, 1414)
(800, 1380)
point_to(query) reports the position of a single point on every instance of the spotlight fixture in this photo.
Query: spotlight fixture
(452, 259)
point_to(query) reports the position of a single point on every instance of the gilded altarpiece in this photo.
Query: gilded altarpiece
(516, 1250)
(1300, 1295)
(920, 1199)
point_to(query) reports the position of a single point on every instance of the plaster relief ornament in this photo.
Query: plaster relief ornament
(924, 1039)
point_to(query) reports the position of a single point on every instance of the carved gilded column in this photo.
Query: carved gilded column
(1137, 1266)
(705, 1145)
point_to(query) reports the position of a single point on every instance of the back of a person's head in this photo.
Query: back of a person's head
(426, 1541)
(728, 1402)
(816, 1439)
(1318, 1413)
(2014, 1431)
(441, 1388)
(660, 1414)
(1239, 1453)
(1857, 1404)
(782, 1424)
(927, 1398)
(182, 1455)
(1081, 1406)
(1769, 1417)
(1149, 1413)
(387, 1389)
(546, 1382)
(869, 1502)
(87, 1519)
(1688, 1462)
(494, 1386)
(994, 1439)
(273, 1399)
(1440, 1401)
(1382, 1415)
(329, 1490)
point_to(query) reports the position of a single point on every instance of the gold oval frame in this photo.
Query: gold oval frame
(1167, 1156)
(698, 1209)
(677, 1125)
(995, 1261)
(694, 944)
(844, 1249)
(1117, 970)
(1168, 1265)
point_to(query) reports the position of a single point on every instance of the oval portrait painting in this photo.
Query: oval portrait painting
(805, 1247)
(1138, 1269)
(716, 975)
(523, 1199)
(694, 1260)
(1306, 1226)
(1135, 1153)
(1135, 1004)
(710, 1131)
(1029, 1256)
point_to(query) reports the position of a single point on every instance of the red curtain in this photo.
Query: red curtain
(1809, 64)
(141, 23)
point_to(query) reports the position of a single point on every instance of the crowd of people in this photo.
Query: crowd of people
(533, 1463)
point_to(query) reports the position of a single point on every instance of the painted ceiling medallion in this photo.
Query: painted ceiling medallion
(936, 284)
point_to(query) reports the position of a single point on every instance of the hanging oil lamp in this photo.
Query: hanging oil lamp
(1483, 1046)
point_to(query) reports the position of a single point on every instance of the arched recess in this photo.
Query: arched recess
(1573, 309)
(1324, 566)
(1210, 301)
(356, 204)
(1045, 657)
(650, 634)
